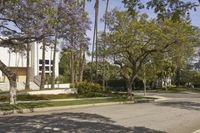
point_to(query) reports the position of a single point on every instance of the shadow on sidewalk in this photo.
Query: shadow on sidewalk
(66, 122)
(182, 105)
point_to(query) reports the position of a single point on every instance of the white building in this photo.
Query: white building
(17, 62)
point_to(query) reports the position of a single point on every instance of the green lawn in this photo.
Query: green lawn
(31, 106)
(5, 98)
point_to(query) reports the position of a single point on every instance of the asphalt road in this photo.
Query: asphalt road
(179, 114)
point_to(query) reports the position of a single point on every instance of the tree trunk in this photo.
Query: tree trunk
(12, 79)
(72, 67)
(84, 3)
(144, 81)
(43, 65)
(81, 63)
(75, 68)
(104, 45)
(178, 77)
(130, 90)
(28, 71)
(92, 59)
(145, 87)
(96, 34)
(134, 86)
(82, 52)
(54, 65)
(83, 66)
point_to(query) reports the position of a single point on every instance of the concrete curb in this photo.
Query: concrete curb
(3, 113)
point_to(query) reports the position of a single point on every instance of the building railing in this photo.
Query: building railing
(37, 80)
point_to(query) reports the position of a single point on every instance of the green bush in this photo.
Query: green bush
(89, 88)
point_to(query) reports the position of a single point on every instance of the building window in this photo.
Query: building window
(46, 68)
(46, 61)
(51, 62)
(40, 61)
(40, 68)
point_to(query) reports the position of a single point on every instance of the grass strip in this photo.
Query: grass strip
(6, 107)
(31, 106)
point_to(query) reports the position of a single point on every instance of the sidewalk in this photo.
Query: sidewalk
(158, 98)
(153, 95)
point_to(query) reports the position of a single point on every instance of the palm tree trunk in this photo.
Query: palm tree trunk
(82, 53)
(81, 63)
(83, 66)
(28, 71)
(105, 24)
(75, 68)
(96, 23)
(12, 79)
(43, 65)
(92, 60)
(71, 67)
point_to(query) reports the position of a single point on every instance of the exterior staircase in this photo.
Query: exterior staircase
(37, 80)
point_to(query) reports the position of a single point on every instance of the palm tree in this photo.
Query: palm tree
(105, 24)
(82, 52)
(96, 32)
(95, 39)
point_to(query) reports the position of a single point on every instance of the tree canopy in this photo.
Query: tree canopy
(134, 40)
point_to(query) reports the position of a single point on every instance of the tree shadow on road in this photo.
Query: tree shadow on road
(182, 105)
(66, 123)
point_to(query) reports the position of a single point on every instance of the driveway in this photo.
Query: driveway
(179, 114)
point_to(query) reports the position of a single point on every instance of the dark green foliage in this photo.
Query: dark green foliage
(5, 98)
(117, 84)
(90, 89)
(64, 67)
(110, 71)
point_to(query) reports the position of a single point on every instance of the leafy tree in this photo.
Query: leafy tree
(37, 21)
(134, 39)
(24, 16)
(174, 9)
(110, 72)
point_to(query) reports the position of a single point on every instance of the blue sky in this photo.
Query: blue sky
(90, 10)
(195, 16)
